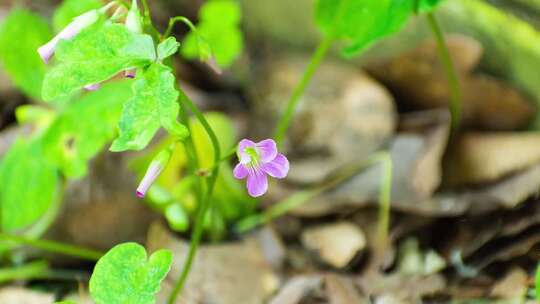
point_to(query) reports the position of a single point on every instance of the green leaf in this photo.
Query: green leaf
(177, 217)
(125, 275)
(29, 185)
(362, 22)
(21, 34)
(218, 33)
(84, 127)
(427, 5)
(154, 104)
(167, 48)
(95, 55)
(70, 9)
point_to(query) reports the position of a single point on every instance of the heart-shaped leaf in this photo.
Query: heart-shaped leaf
(125, 275)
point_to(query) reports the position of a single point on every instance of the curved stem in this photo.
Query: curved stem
(53, 246)
(176, 19)
(197, 231)
(451, 74)
(286, 117)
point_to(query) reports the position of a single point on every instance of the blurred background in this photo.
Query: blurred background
(465, 207)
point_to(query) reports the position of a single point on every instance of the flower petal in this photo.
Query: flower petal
(267, 150)
(242, 145)
(278, 168)
(257, 183)
(240, 171)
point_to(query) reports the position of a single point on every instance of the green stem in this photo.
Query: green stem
(316, 59)
(83, 253)
(147, 16)
(39, 270)
(176, 19)
(199, 224)
(301, 197)
(451, 74)
(385, 193)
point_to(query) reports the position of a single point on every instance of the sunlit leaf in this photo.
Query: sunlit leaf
(84, 127)
(70, 9)
(126, 275)
(95, 55)
(220, 35)
(21, 34)
(362, 22)
(427, 5)
(167, 48)
(28, 185)
(154, 104)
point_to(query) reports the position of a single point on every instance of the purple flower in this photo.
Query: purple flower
(258, 160)
(92, 87)
(154, 170)
(71, 30)
(131, 73)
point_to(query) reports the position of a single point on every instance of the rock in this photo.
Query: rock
(20, 295)
(296, 289)
(326, 132)
(228, 273)
(485, 157)
(336, 244)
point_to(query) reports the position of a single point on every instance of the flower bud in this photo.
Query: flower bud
(155, 168)
(134, 19)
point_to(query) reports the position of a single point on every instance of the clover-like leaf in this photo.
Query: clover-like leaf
(218, 33)
(167, 48)
(154, 104)
(125, 275)
(70, 9)
(95, 55)
(84, 127)
(362, 22)
(21, 33)
(29, 185)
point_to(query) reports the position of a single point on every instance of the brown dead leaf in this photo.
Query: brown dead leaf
(418, 78)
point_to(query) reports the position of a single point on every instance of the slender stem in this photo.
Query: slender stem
(39, 270)
(286, 117)
(385, 193)
(192, 154)
(53, 246)
(301, 197)
(147, 16)
(451, 74)
(24, 272)
(173, 21)
(197, 231)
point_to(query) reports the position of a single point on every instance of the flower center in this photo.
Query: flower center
(252, 152)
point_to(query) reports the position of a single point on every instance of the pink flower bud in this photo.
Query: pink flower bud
(155, 168)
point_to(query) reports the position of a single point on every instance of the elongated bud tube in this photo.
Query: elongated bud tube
(155, 168)
(134, 18)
